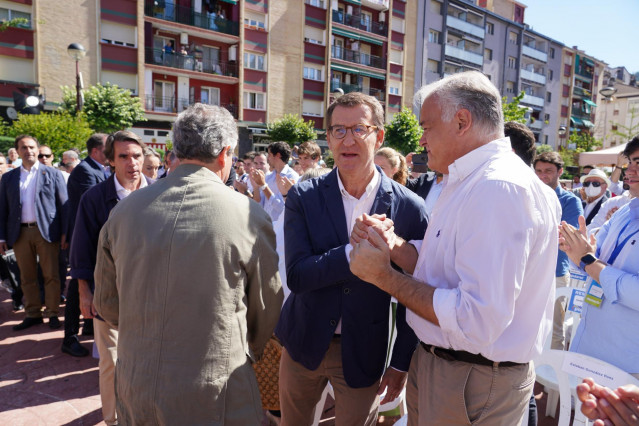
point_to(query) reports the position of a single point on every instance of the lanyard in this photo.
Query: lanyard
(619, 246)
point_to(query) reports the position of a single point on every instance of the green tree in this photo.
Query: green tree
(584, 141)
(59, 130)
(291, 129)
(403, 132)
(108, 108)
(12, 23)
(543, 148)
(629, 132)
(512, 110)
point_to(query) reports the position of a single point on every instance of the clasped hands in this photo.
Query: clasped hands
(373, 237)
(609, 407)
(575, 241)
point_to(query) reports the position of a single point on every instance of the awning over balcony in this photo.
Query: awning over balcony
(589, 102)
(357, 72)
(230, 1)
(354, 36)
(576, 121)
(357, 2)
(588, 123)
(589, 62)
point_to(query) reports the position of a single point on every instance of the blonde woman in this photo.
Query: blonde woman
(393, 164)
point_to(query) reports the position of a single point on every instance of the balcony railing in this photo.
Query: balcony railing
(190, 63)
(464, 55)
(534, 53)
(347, 88)
(533, 100)
(377, 94)
(186, 15)
(465, 26)
(536, 125)
(361, 22)
(232, 108)
(583, 72)
(580, 91)
(338, 52)
(175, 105)
(533, 76)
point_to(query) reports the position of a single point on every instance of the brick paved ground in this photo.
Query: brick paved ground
(39, 385)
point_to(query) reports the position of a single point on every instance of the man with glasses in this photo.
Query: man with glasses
(45, 156)
(335, 327)
(595, 185)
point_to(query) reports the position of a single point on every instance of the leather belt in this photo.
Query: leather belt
(29, 225)
(463, 356)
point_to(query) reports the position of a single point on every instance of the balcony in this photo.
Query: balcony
(376, 4)
(377, 94)
(464, 55)
(232, 108)
(360, 22)
(347, 88)
(465, 26)
(533, 100)
(534, 53)
(186, 15)
(175, 105)
(581, 92)
(584, 73)
(536, 125)
(189, 63)
(533, 76)
(338, 52)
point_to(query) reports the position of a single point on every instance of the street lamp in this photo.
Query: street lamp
(77, 52)
(607, 93)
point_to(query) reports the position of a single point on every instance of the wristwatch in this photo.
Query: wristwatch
(588, 259)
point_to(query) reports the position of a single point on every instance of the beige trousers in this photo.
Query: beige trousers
(106, 339)
(29, 249)
(450, 393)
(301, 389)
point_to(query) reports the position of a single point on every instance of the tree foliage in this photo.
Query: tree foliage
(12, 23)
(59, 130)
(544, 148)
(583, 141)
(403, 132)
(108, 108)
(628, 132)
(291, 129)
(512, 111)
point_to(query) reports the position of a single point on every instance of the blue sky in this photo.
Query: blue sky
(605, 29)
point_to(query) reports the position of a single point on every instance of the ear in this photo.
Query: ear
(463, 120)
(380, 139)
(223, 157)
(561, 171)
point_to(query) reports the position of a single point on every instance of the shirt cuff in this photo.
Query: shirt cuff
(608, 279)
(397, 369)
(347, 250)
(417, 244)
(445, 307)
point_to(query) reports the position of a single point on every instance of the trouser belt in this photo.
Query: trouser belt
(463, 356)
(29, 225)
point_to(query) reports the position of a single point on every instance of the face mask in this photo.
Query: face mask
(591, 191)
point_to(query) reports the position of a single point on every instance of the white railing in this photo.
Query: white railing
(533, 76)
(534, 53)
(464, 55)
(533, 100)
(465, 26)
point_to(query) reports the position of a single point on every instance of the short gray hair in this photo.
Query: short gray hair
(148, 152)
(75, 159)
(202, 131)
(472, 91)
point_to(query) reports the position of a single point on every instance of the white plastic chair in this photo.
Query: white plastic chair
(551, 374)
(571, 320)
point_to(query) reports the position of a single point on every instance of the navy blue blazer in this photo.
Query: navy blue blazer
(323, 289)
(85, 175)
(51, 204)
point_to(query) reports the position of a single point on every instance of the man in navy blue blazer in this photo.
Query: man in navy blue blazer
(33, 214)
(335, 327)
(85, 175)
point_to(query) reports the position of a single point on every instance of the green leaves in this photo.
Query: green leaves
(403, 132)
(512, 111)
(291, 129)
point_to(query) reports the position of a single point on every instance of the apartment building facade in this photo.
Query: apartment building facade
(260, 59)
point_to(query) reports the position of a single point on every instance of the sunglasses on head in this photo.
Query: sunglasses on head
(45, 155)
(593, 183)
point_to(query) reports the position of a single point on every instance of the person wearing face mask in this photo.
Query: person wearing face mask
(595, 185)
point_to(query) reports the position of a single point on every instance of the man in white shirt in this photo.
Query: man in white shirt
(595, 185)
(482, 291)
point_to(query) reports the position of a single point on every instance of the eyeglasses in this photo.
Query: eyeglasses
(359, 131)
(593, 183)
(41, 156)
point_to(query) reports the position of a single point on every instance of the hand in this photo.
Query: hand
(241, 187)
(3, 248)
(574, 242)
(86, 300)
(284, 184)
(370, 259)
(409, 160)
(380, 223)
(393, 382)
(258, 178)
(63, 242)
(611, 212)
(588, 393)
(621, 406)
(582, 194)
(622, 160)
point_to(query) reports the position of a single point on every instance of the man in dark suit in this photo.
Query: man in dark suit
(88, 173)
(33, 214)
(335, 327)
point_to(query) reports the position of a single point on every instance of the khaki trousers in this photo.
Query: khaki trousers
(301, 389)
(447, 393)
(558, 331)
(106, 339)
(31, 248)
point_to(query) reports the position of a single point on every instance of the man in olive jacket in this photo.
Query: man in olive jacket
(187, 270)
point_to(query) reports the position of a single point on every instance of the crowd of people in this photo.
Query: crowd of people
(195, 274)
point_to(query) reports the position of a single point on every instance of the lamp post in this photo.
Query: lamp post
(77, 52)
(607, 93)
(562, 133)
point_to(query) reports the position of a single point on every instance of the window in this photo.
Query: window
(434, 36)
(118, 34)
(552, 53)
(510, 87)
(550, 74)
(490, 28)
(210, 95)
(313, 73)
(398, 25)
(254, 61)
(311, 107)
(149, 133)
(254, 100)
(512, 37)
(313, 35)
(615, 112)
(316, 3)
(567, 70)
(164, 96)
(436, 7)
(488, 54)
(614, 126)
(393, 90)
(432, 66)
(9, 14)
(255, 20)
(162, 133)
(396, 56)
(512, 62)
(546, 117)
(546, 139)
(548, 96)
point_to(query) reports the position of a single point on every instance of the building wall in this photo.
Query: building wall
(554, 86)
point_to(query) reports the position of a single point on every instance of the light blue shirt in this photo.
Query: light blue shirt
(610, 331)
(275, 205)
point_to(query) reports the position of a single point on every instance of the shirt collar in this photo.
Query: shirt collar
(465, 165)
(372, 185)
(122, 191)
(34, 168)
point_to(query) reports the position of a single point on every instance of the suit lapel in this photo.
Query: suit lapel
(383, 198)
(334, 205)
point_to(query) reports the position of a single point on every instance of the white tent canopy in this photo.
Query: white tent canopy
(605, 156)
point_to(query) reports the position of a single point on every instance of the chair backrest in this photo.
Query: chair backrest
(571, 318)
(570, 368)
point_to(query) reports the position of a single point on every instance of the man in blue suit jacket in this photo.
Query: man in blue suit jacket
(33, 214)
(335, 327)
(85, 175)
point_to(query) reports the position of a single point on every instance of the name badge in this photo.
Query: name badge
(576, 301)
(595, 294)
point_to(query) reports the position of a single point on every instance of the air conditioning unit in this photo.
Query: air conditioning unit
(233, 53)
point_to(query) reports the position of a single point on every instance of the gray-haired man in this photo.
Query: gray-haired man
(198, 292)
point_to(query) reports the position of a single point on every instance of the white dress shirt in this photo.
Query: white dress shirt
(28, 182)
(600, 218)
(490, 251)
(433, 194)
(589, 206)
(123, 192)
